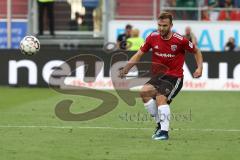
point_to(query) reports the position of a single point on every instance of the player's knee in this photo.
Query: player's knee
(147, 92)
(161, 100)
(143, 95)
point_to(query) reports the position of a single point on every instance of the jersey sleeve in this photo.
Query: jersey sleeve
(188, 46)
(146, 45)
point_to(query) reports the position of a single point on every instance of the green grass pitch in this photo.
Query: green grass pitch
(205, 125)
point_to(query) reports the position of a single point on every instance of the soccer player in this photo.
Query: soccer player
(168, 49)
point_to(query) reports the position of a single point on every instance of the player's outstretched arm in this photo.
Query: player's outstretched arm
(199, 60)
(133, 60)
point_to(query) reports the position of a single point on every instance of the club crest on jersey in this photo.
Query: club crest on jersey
(173, 47)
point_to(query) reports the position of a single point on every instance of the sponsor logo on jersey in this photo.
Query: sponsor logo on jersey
(173, 47)
(165, 55)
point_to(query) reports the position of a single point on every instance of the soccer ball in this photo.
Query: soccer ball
(29, 45)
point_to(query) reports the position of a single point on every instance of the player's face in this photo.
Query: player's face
(164, 26)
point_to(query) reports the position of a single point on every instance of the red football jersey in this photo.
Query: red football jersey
(167, 55)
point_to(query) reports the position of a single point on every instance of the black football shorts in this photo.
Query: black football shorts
(166, 85)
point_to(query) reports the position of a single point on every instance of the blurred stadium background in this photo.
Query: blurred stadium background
(206, 123)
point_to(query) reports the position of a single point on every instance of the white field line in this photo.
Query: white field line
(116, 128)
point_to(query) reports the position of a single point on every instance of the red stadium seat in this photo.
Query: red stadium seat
(135, 10)
(233, 15)
(3, 8)
(19, 8)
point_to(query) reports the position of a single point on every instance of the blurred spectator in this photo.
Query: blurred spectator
(213, 14)
(122, 38)
(237, 3)
(202, 3)
(226, 4)
(49, 6)
(89, 6)
(76, 6)
(229, 14)
(230, 45)
(97, 17)
(189, 14)
(205, 15)
(190, 36)
(221, 3)
(169, 3)
(77, 22)
(212, 4)
(134, 42)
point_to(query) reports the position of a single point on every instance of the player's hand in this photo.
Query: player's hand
(122, 72)
(197, 73)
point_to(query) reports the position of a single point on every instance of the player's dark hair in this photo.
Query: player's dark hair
(166, 15)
